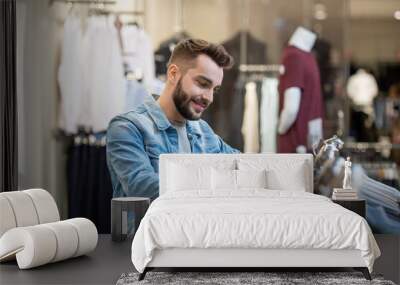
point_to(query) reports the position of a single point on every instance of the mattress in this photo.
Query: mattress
(251, 219)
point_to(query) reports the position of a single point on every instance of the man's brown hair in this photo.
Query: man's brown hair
(188, 50)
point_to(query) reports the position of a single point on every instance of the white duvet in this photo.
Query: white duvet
(252, 218)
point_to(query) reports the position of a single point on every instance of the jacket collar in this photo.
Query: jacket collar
(193, 127)
(156, 113)
(161, 120)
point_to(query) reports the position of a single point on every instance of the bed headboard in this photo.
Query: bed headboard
(212, 159)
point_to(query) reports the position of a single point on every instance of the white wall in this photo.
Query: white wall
(41, 157)
(375, 40)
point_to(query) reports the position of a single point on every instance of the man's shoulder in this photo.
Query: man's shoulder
(136, 118)
(135, 115)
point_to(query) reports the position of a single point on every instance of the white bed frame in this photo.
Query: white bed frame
(234, 257)
(252, 258)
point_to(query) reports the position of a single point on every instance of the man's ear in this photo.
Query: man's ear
(173, 74)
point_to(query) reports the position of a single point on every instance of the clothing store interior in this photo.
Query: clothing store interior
(79, 63)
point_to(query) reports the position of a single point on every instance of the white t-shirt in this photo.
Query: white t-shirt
(183, 141)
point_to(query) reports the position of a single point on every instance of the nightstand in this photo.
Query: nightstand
(357, 205)
(126, 214)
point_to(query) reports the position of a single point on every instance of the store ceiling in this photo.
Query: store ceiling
(373, 8)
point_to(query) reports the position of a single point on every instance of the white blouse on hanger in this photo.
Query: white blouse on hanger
(70, 76)
(104, 73)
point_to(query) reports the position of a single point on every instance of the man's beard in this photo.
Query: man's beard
(182, 103)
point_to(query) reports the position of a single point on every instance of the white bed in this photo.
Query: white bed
(215, 211)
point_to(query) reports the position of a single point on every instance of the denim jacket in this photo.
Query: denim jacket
(137, 138)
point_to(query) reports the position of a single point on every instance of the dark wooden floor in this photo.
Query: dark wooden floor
(110, 260)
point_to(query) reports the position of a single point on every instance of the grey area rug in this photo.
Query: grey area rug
(225, 278)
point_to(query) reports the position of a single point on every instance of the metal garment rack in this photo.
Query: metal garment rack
(135, 13)
(262, 68)
(100, 2)
(366, 145)
(104, 2)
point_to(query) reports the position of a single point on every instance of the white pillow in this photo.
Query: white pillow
(278, 181)
(282, 174)
(227, 179)
(187, 173)
(188, 177)
(223, 179)
(251, 178)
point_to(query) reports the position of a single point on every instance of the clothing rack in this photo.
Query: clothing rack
(262, 68)
(133, 13)
(362, 146)
(88, 180)
(375, 160)
(385, 172)
(90, 139)
(103, 2)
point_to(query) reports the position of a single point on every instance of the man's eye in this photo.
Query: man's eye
(203, 84)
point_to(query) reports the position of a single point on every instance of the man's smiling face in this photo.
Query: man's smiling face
(195, 90)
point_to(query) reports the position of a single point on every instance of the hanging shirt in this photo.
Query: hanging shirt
(138, 54)
(269, 114)
(70, 78)
(183, 141)
(301, 70)
(250, 126)
(104, 73)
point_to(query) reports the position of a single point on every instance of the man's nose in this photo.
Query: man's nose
(209, 96)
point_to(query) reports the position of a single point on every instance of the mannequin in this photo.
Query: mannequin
(301, 79)
(362, 90)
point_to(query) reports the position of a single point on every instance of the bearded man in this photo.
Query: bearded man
(171, 124)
